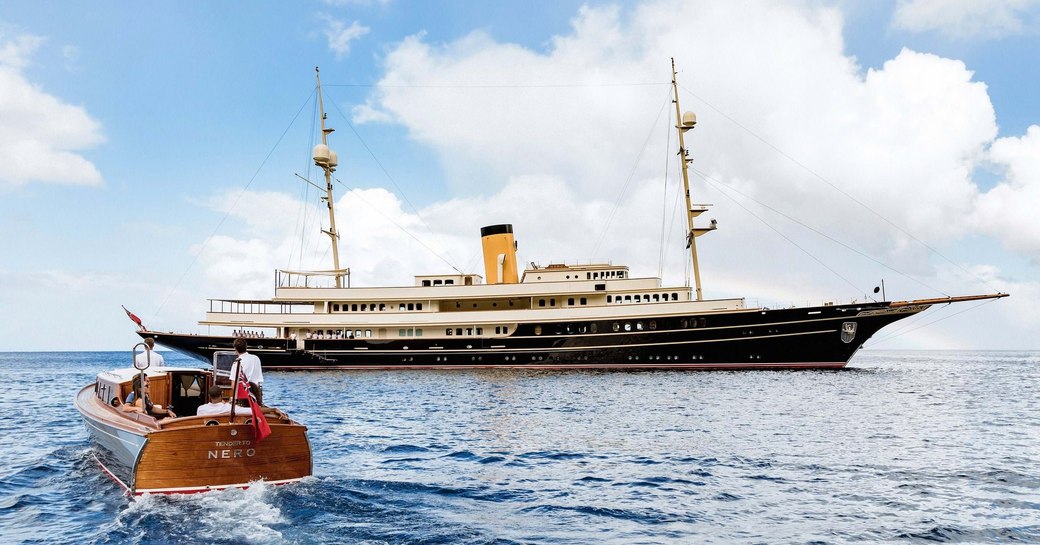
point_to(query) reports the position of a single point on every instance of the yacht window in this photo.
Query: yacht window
(657, 297)
(364, 308)
(411, 306)
(701, 322)
(447, 332)
(616, 327)
(497, 330)
(628, 326)
(368, 333)
(437, 282)
(639, 326)
(402, 306)
(426, 282)
(609, 299)
(448, 282)
(583, 301)
(628, 298)
(418, 333)
(335, 308)
(593, 327)
(675, 297)
(537, 330)
(357, 333)
(353, 307)
(418, 306)
(505, 330)
(400, 333)
(588, 276)
(458, 331)
(480, 331)
(570, 301)
(541, 302)
(411, 333)
(552, 302)
(653, 325)
(469, 331)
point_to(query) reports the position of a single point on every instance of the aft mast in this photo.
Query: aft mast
(328, 160)
(685, 122)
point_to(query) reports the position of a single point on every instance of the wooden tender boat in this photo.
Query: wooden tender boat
(187, 453)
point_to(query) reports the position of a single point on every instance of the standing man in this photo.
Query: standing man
(149, 355)
(250, 366)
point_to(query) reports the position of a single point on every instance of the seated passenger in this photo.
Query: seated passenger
(216, 405)
(138, 403)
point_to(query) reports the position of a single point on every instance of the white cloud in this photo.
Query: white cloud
(550, 140)
(41, 137)
(965, 18)
(884, 136)
(1009, 210)
(340, 35)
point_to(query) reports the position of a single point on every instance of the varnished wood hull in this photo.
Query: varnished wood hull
(185, 455)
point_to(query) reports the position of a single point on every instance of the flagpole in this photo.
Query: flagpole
(234, 388)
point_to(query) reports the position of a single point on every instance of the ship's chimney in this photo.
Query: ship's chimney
(499, 254)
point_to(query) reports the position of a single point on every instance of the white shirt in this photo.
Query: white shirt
(156, 359)
(251, 368)
(212, 409)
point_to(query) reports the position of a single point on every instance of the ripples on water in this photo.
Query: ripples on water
(903, 446)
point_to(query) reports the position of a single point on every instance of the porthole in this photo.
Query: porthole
(653, 325)
(616, 327)
(537, 330)
(212, 423)
(628, 326)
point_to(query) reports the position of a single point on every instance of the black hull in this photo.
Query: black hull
(816, 338)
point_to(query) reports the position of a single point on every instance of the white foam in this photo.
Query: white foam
(227, 515)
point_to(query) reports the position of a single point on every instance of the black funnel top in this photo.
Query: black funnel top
(496, 229)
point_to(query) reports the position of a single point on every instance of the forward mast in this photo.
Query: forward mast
(328, 160)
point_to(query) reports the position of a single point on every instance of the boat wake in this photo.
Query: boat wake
(251, 515)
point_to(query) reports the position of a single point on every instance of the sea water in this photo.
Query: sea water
(899, 447)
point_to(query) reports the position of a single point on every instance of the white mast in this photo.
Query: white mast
(685, 122)
(328, 160)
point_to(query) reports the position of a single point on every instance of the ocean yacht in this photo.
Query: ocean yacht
(594, 316)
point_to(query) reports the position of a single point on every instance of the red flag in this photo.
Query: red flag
(134, 317)
(260, 427)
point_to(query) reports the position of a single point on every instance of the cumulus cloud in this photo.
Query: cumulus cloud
(966, 18)
(569, 144)
(1008, 211)
(41, 137)
(885, 137)
(339, 34)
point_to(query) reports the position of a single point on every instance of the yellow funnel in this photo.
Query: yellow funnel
(499, 254)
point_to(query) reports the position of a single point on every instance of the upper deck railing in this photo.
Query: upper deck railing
(312, 279)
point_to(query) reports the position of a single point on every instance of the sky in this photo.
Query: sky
(152, 157)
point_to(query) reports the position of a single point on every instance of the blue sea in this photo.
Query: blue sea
(901, 447)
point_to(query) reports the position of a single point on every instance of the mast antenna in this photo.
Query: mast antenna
(328, 160)
(685, 122)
